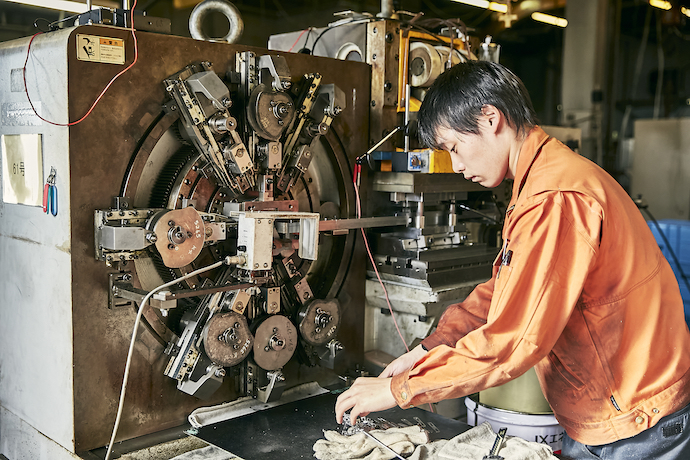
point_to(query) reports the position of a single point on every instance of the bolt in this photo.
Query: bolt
(275, 329)
(171, 223)
(256, 265)
(267, 348)
(171, 246)
(220, 373)
(265, 265)
(164, 313)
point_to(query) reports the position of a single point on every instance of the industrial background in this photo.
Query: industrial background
(270, 153)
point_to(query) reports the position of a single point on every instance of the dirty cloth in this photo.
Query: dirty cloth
(473, 444)
(361, 446)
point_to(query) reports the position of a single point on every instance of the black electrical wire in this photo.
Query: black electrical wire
(643, 206)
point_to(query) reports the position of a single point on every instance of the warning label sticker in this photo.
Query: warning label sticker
(100, 49)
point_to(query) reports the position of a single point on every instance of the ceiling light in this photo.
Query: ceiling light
(60, 5)
(685, 11)
(664, 5)
(547, 18)
(493, 6)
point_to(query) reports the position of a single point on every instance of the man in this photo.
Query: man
(580, 289)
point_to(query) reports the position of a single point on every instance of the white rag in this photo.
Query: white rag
(473, 444)
(361, 446)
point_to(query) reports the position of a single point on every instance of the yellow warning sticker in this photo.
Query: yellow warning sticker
(100, 49)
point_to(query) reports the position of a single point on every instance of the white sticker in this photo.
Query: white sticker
(100, 49)
(22, 169)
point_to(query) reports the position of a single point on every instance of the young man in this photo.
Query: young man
(580, 288)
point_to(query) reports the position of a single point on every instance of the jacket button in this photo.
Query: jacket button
(403, 395)
(655, 410)
(639, 419)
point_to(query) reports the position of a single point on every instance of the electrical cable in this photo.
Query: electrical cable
(128, 364)
(376, 271)
(355, 180)
(300, 36)
(72, 123)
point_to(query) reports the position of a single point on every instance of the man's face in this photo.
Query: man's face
(479, 157)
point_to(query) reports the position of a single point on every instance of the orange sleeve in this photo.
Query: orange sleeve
(461, 318)
(554, 238)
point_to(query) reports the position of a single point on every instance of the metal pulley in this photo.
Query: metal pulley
(227, 339)
(180, 236)
(319, 321)
(270, 112)
(275, 341)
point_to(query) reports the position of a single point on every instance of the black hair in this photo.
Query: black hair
(456, 98)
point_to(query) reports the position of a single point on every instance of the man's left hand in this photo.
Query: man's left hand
(367, 394)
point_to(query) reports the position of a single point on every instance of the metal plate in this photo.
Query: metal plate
(180, 237)
(289, 431)
(275, 342)
(227, 339)
(320, 321)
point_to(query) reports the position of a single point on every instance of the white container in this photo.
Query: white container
(542, 428)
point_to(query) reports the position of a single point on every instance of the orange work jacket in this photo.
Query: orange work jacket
(580, 290)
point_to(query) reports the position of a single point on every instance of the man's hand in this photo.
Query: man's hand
(404, 362)
(367, 394)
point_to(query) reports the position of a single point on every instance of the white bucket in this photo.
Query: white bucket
(543, 429)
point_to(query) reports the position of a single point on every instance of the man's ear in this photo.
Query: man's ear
(491, 117)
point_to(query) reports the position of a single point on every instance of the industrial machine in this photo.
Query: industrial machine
(202, 154)
(209, 194)
(454, 229)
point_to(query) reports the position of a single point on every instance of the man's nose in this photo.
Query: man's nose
(458, 166)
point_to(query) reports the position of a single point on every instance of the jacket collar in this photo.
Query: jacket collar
(536, 138)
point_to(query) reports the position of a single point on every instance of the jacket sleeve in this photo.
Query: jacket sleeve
(554, 238)
(461, 318)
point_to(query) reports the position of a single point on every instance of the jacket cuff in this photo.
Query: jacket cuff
(433, 341)
(401, 390)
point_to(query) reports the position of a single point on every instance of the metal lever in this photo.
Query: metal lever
(383, 445)
(498, 443)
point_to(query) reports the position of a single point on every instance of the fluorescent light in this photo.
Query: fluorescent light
(547, 18)
(685, 11)
(664, 5)
(493, 6)
(60, 5)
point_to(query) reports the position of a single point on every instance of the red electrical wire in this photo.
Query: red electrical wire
(300, 36)
(355, 180)
(72, 123)
(358, 169)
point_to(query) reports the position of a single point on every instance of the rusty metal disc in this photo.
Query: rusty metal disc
(270, 112)
(275, 341)
(180, 236)
(320, 321)
(227, 339)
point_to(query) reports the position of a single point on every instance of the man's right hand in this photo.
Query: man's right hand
(403, 362)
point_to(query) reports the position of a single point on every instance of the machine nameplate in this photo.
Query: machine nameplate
(20, 113)
(106, 50)
(22, 169)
